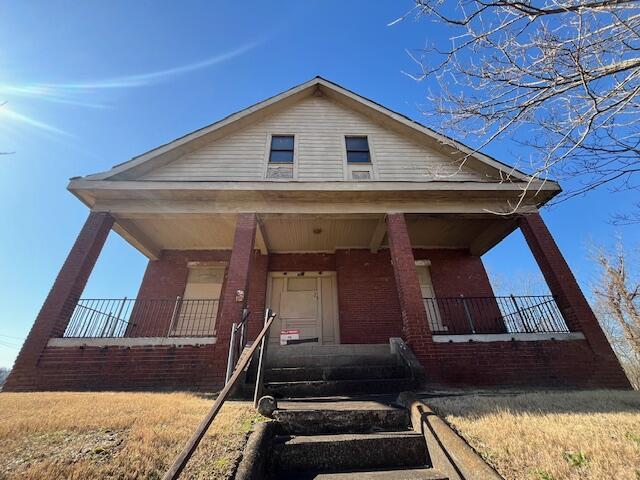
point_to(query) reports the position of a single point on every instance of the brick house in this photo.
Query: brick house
(352, 222)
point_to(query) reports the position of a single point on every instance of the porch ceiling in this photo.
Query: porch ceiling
(284, 233)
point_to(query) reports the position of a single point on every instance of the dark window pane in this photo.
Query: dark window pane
(281, 156)
(358, 157)
(358, 144)
(282, 142)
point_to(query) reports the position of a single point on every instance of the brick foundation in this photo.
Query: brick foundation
(569, 364)
(123, 368)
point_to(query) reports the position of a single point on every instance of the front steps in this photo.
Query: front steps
(315, 371)
(340, 439)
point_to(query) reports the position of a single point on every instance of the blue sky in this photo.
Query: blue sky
(91, 84)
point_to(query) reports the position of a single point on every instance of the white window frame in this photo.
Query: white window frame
(268, 153)
(348, 168)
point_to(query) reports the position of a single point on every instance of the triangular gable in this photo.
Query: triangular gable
(157, 158)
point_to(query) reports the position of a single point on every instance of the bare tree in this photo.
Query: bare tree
(618, 307)
(561, 77)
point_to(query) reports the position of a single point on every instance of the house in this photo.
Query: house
(352, 222)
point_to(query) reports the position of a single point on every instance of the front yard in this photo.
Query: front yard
(116, 435)
(550, 435)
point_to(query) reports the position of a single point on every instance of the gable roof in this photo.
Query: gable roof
(168, 152)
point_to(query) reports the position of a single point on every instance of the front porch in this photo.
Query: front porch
(333, 279)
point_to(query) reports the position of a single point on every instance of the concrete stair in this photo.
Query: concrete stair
(394, 474)
(313, 371)
(345, 438)
(347, 451)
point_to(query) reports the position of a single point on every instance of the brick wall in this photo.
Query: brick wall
(123, 368)
(369, 311)
(302, 262)
(548, 363)
(455, 272)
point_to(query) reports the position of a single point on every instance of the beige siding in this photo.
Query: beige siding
(319, 126)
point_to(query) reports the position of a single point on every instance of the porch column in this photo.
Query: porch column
(237, 281)
(414, 317)
(574, 306)
(56, 311)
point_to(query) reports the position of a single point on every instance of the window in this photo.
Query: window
(358, 150)
(281, 157)
(359, 165)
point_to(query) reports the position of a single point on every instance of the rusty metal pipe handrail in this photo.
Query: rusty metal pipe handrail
(181, 460)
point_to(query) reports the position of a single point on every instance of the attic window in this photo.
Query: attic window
(281, 149)
(357, 150)
(281, 157)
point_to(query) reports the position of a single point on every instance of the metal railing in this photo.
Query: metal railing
(485, 315)
(183, 457)
(237, 343)
(131, 317)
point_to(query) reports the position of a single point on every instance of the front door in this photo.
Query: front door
(306, 303)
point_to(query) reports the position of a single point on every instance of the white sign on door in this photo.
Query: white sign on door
(286, 335)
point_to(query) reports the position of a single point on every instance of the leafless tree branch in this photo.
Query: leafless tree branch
(561, 77)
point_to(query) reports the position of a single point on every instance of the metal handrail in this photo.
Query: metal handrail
(142, 317)
(268, 318)
(500, 314)
(181, 460)
(236, 344)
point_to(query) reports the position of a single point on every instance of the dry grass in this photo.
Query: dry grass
(115, 435)
(552, 435)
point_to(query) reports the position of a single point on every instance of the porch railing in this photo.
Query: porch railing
(131, 317)
(486, 315)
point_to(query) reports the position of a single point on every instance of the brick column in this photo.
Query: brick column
(574, 306)
(257, 293)
(237, 279)
(414, 317)
(57, 308)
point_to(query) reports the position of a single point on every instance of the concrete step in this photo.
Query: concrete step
(319, 388)
(402, 474)
(342, 349)
(339, 453)
(350, 372)
(311, 422)
(332, 360)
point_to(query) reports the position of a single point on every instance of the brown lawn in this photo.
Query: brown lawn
(552, 435)
(116, 435)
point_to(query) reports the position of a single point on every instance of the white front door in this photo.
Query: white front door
(429, 296)
(305, 302)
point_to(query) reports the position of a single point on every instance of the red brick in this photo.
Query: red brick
(69, 284)
(414, 318)
(563, 285)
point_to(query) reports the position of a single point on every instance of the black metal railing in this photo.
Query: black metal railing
(511, 314)
(131, 317)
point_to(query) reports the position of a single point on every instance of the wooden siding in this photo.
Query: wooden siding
(319, 125)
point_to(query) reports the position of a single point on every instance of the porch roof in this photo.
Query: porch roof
(300, 233)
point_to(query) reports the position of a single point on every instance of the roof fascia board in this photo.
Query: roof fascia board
(84, 184)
